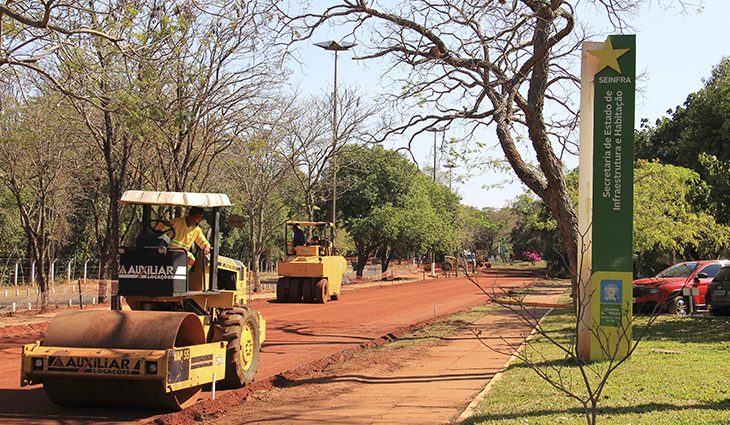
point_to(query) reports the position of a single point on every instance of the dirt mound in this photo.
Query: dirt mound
(13, 331)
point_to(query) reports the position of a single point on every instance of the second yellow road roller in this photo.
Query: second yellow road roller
(310, 272)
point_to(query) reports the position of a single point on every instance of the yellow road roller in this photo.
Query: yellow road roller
(187, 327)
(310, 272)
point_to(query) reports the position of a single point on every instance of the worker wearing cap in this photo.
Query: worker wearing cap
(298, 237)
(187, 232)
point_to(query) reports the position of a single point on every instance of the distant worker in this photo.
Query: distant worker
(187, 232)
(298, 238)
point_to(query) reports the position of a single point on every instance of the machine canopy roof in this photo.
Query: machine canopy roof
(176, 199)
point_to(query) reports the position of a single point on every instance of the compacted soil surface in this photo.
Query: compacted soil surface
(306, 363)
(427, 377)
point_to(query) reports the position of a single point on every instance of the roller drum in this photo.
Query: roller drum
(142, 330)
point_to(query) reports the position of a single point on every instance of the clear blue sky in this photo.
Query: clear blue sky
(676, 52)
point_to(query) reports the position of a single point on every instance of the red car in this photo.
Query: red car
(670, 289)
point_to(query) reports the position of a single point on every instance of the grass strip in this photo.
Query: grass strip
(679, 374)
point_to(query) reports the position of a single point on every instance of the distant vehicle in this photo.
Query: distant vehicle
(310, 272)
(718, 293)
(482, 258)
(444, 262)
(669, 289)
(448, 263)
(471, 261)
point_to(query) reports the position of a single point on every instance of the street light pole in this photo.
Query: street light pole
(334, 145)
(336, 47)
(435, 131)
(434, 156)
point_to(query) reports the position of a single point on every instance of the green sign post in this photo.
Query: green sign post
(606, 197)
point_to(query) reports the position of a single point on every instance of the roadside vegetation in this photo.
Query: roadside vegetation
(522, 265)
(677, 375)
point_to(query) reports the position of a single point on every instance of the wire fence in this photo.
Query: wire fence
(24, 271)
(61, 294)
(70, 282)
(375, 272)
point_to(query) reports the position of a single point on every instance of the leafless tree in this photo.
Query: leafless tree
(308, 144)
(214, 65)
(31, 31)
(106, 88)
(38, 168)
(261, 180)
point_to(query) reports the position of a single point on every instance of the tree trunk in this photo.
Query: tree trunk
(255, 224)
(255, 272)
(310, 205)
(103, 263)
(594, 412)
(39, 256)
(362, 260)
(385, 257)
(115, 242)
(554, 191)
(561, 207)
(116, 179)
(385, 263)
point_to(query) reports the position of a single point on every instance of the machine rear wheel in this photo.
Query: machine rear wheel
(308, 288)
(240, 328)
(321, 291)
(282, 290)
(295, 293)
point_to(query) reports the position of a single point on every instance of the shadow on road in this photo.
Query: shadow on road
(364, 379)
(26, 406)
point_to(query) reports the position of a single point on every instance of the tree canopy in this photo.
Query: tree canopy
(391, 208)
(670, 222)
(696, 135)
(668, 226)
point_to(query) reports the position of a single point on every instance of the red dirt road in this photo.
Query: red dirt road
(297, 335)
